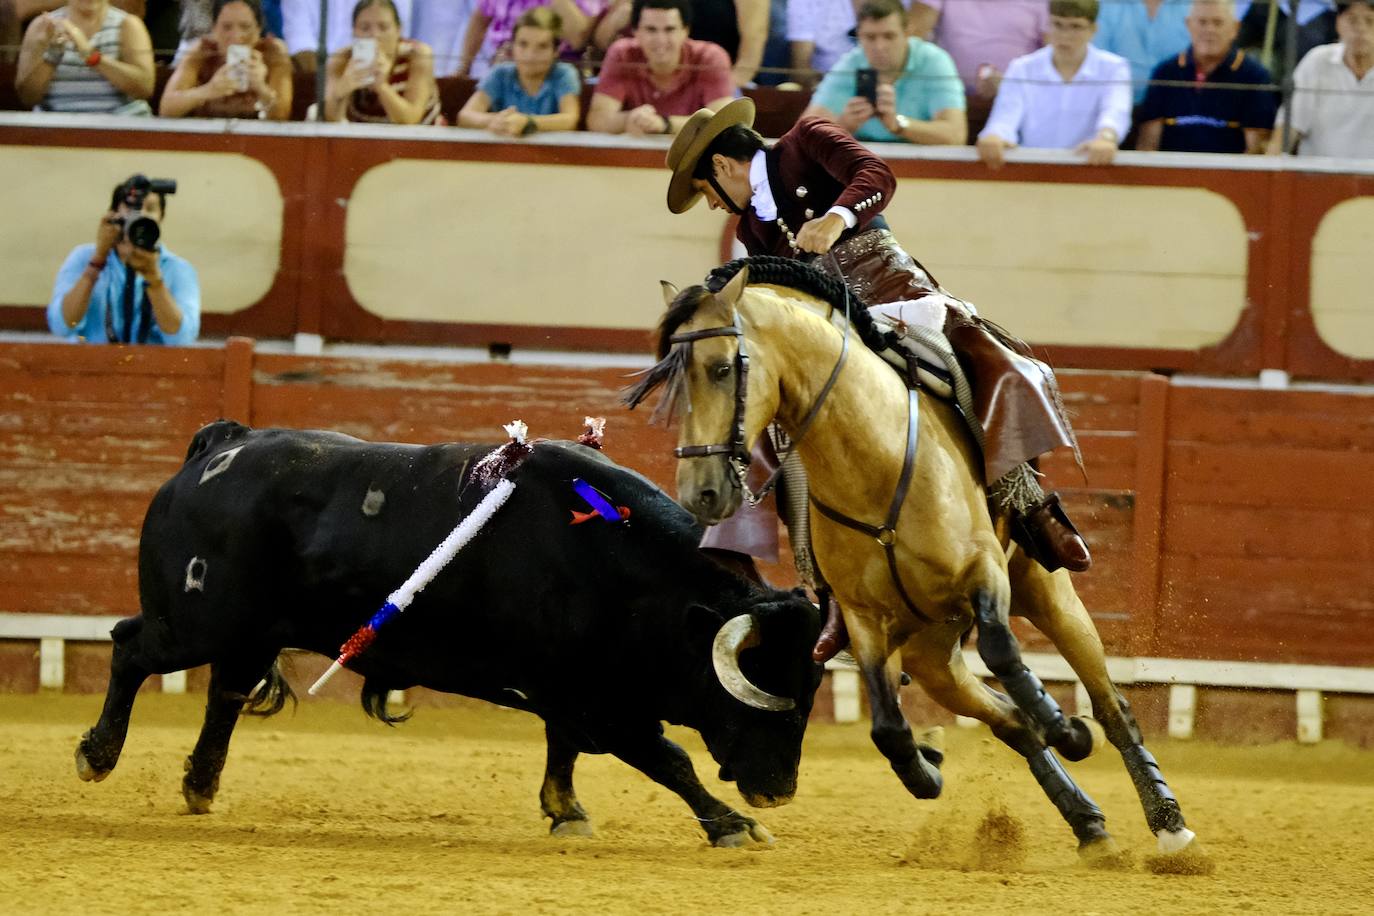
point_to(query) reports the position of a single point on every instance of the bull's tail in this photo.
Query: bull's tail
(210, 435)
(374, 698)
(270, 696)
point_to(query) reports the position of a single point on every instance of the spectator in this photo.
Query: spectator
(86, 57)
(141, 295)
(534, 92)
(1069, 95)
(652, 83)
(982, 37)
(493, 23)
(1316, 23)
(395, 87)
(301, 28)
(740, 27)
(207, 85)
(443, 24)
(1200, 118)
(197, 17)
(819, 32)
(1144, 32)
(918, 98)
(1333, 98)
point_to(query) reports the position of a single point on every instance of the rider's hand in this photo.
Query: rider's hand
(819, 235)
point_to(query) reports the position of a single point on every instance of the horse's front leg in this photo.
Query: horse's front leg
(917, 765)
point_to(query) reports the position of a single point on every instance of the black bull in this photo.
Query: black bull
(268, 539)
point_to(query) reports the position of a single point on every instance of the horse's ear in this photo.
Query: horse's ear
(669, 293)
(729, 296)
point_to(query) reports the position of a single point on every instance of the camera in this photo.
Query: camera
(140, 230)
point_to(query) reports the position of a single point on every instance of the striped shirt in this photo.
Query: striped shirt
(76, 87)
(363, 104)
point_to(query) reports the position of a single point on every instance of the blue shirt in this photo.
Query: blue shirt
(1202, 119)
(929, 84)
(107, 298)
(502, 86)
(1125, 28)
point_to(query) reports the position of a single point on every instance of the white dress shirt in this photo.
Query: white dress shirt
(1035, 107)
(766, 206)
(1332, 109)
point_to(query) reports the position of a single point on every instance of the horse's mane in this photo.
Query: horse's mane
(774, 271)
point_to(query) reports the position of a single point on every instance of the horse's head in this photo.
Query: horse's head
(709, 360)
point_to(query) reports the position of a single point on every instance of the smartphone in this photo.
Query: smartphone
(866, 84)
(364, 54)
(236, 56)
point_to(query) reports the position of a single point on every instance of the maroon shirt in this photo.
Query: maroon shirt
(815, 166)
(702, 76)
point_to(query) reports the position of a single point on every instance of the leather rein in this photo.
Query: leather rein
(738, 450)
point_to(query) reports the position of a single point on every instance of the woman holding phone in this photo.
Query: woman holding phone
(382, 78)
(234, 72)
(533, 92)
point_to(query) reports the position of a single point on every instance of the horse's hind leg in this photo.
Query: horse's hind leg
(1049, 601)
(99, 749)
(940, 668)
(556, 796)
(231, 680)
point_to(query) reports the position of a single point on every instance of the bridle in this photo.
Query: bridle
(737, 449)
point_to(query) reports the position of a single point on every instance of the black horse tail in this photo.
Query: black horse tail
(374, 698)
(271, 694)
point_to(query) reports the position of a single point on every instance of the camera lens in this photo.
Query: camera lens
(142, 232)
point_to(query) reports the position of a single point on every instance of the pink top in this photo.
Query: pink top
(503, 14)
(977, 32)
(703, 76)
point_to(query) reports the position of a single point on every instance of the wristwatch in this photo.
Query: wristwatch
(903, 122)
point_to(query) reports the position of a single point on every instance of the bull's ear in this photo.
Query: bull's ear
(729, 296)
(669, 293)
(702, 625)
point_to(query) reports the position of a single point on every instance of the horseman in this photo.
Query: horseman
(818, 192)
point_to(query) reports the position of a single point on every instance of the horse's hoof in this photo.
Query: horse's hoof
(1105, 855)
(932, 744)
(1081, 739)
(572, 828)
(1180, 854)
(85, 770)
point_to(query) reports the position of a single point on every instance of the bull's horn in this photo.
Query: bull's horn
(733, 637)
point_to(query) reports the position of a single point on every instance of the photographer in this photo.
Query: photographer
(144, 293)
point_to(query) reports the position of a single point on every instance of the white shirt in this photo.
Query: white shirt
(1333, 111)
(766, 206)
(824, 23)
(441, 24)
(1036, 108)
(300, 24)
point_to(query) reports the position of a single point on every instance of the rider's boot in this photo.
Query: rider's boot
(834, 636)
(1047, 536)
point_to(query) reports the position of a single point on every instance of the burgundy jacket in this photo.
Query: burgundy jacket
(815, 166)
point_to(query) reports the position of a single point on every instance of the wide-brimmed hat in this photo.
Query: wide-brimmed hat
(689, 144)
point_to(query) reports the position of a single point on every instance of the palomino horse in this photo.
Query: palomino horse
(887, 465)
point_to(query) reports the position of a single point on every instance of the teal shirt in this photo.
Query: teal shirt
(929, 84)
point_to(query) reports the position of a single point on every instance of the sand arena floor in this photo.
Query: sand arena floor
(326, 811)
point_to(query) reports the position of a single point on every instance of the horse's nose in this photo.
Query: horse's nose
(706, 501)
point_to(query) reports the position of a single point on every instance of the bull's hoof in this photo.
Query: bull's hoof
(1082, 738)
(753, 833)
(1180, 853)
(196, 803)
(1103, 854)
(87, 771)
(578, 827)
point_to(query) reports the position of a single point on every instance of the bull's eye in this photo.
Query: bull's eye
(720, 372)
